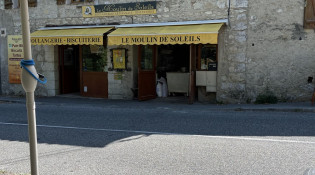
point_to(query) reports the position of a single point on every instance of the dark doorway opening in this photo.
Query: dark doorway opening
(173, 58)
(69, 69)
(165, 71)
(173, 69)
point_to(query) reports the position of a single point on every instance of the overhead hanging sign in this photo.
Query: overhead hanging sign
(137, 8)
(15, 55)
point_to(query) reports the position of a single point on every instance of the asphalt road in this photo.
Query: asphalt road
(118, 137)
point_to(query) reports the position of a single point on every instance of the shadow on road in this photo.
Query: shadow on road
(97, 125)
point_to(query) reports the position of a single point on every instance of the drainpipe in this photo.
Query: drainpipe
(29, 84)
(229, 11)
(0, 76)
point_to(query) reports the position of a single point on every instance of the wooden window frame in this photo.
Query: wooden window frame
(31, 3)
(8, 4)
(63, 2)
(199, 47)
(81, 1)
(309, 14)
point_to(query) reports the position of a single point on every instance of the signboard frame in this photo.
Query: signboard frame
(119, 59)
(136, 8)
(15, 55)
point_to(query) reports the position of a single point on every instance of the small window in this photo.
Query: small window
(81, 1)
(8, 4)
(76, 1)
(309, 14)
(32, 3)
(61, 2)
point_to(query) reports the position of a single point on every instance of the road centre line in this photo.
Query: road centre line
(163, 133)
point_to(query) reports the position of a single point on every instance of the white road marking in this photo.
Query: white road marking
(163, 133)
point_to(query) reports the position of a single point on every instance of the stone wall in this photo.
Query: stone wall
(6, 21)
(266, 47)
(232, 59)
(120, 88)
(280, 53)
(47, 64)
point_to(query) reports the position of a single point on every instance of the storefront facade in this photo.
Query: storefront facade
(252, 50)
(82, 58)
(173, 51)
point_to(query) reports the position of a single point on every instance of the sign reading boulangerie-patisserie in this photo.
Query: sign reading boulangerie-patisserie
(15, 55)
(137, 8)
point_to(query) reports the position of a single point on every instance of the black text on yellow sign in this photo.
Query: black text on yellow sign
(159, 39)
(67, 40)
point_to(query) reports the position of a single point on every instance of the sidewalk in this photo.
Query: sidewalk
(64, 100)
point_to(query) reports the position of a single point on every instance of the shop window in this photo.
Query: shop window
(94, 58)
(173, 58)
(309, 14)
(208, 57)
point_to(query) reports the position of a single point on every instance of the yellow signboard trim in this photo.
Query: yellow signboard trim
(164, 39)
(74, 40)
(157, 35)
(77, 36)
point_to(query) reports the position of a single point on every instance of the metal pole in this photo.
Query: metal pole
(29, 84)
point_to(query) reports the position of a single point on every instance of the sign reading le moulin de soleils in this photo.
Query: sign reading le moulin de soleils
(137, 8)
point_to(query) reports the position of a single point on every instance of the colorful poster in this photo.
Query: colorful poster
(15, 55)
(119, 59)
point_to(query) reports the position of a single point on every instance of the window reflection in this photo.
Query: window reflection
(94, 58)
(209, 57)
(146, 57)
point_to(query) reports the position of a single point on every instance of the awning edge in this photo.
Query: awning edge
(88, 36)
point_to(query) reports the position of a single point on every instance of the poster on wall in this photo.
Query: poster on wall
(119, 59)
(15, 55)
